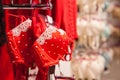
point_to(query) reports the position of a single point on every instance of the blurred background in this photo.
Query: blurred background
(98, 28)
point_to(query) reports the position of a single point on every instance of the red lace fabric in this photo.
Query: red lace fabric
(39, 27)
(7, 69)
(22, 34)
(20, 40)
(55, 49)
(13, 19)
(19, 46)
(51, 46)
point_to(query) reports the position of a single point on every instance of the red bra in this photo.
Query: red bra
(20, 41)
(51, 46)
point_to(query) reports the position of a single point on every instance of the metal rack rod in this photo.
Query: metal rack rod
(27, 6)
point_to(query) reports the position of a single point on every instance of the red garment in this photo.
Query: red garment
(58, 44)
(11, 23)
(37, 28)
(6, 67)
(53, 36)
(6, 2)
(20, 40)
(13, 19)
(38, 25)
(64, 15)
(51, 46)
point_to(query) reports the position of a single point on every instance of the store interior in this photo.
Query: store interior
(60, 40)
(99, 32)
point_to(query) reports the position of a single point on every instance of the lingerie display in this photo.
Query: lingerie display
(33, 40)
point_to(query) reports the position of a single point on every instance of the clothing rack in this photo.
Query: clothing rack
(28, 6)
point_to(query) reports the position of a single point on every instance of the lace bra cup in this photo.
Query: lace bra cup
(15, 54)
(20, 40)
(51, 46)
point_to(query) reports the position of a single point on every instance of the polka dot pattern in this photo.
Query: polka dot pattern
(54, 47)
(20, 40)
